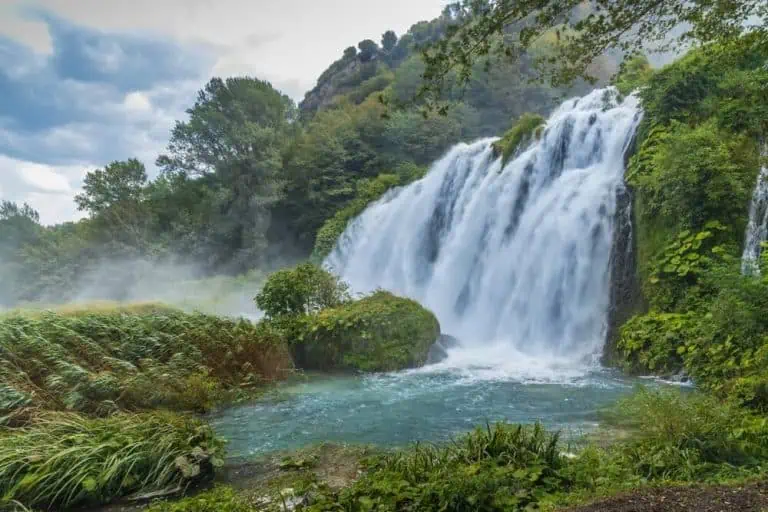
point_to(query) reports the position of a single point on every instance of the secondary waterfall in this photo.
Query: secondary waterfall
(757, 228)
(514, 260)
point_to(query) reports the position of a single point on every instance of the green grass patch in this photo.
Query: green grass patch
(61, 460)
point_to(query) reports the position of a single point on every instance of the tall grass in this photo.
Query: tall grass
(138, 358)
(688, 436)
(500, 467)
(64, 459)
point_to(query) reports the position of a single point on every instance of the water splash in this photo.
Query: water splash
(514, 257)
(757, 228)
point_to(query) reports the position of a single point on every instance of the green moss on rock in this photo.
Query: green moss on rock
(528, 126)
(381, 332)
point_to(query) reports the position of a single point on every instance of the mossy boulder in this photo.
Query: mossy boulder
(381, 332)
(528, 126)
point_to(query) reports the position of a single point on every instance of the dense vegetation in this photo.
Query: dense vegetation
(95, 399)
(97, 363)
(95, 402)
(696, 166)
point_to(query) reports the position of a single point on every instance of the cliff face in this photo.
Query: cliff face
(338, 79)
(626, 298)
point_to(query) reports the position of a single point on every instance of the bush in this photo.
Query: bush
(688, 436)
(525, 128)
(380, 332)
(62, 460)
(98, 362)
(301, 290)
(650, 344)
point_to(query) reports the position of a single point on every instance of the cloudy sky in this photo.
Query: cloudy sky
(86, 82)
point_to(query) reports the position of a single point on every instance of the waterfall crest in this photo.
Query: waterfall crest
(516, 257)
(757, 227)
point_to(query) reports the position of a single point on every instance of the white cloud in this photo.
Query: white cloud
(287, 42)
(49, 189)
(137, 101)
(44, 178)
(31, 33)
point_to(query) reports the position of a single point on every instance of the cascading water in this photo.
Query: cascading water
(514, 260)
(757, 227)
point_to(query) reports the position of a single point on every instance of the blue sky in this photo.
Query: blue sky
(86, 82)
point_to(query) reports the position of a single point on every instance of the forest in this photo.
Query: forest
(249, 178)
(107, 397)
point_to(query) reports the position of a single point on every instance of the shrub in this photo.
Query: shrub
(650, 344)
(303, 289)
(688, 436)
(634, 73)
(524, 129)
(62, 460)
(380, 332)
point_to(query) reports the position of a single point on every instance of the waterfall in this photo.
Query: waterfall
(517, 256)
(757, 227)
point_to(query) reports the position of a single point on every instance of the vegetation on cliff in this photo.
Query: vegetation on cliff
(524, 130)
(693, 177)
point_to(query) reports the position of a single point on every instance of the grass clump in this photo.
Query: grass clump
(61, 460)
(99, 362)
(528, 126)
(220, 499)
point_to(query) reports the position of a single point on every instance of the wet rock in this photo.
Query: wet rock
(439, 350)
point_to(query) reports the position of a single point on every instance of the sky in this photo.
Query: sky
(87, 82)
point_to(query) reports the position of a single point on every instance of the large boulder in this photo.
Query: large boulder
(381, 332)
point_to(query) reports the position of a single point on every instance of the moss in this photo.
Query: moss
(528, 126)
(380, 332)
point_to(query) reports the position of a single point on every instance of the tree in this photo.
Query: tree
(114, 198)
(368, 50)
(117, 183)
(625, 25)
(350, 52)
(389, 40)
(235, 136)
(304, 289)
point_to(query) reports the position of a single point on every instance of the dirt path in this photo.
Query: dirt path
(744, 498)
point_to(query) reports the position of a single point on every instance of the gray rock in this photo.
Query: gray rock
(439, 350)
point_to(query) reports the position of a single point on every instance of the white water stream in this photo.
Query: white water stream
(515, 260)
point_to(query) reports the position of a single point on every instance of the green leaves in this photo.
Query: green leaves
(62, 460)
